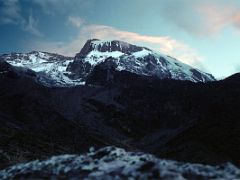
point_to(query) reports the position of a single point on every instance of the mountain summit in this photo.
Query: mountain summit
(57, 70)
(108, 46)
(135, 59)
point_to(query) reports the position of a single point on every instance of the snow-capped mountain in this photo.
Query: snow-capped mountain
(50, 68)
(57, 70)
(135, 59)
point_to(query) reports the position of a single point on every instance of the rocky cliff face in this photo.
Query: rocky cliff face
(135, 59)
(107, 46)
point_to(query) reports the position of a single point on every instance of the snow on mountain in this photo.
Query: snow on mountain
(116, 163)
(57, 70)
(135, 59)
(50, 68)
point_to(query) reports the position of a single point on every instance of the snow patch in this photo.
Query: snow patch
(141, 54)
(96, 57)
(51, 68)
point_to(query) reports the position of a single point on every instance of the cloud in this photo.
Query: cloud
(202, 18)
(76, 21)
(218, 17)
(163, 44)
(197, 17)
(31, 26)
(49, 6)
(57, 7)
(10, 13)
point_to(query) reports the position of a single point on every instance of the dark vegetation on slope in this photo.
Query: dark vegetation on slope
(172, 119)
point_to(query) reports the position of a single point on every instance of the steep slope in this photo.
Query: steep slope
(38, 121)
(50, 68)
(175, 119)
(180, 120)
(135, 59)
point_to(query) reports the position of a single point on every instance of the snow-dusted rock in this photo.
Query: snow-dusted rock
(57, 70)
(116, 163)
(50, 68)
(135, 59)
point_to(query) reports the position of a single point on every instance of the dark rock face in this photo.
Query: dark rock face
(79, 69)
(103, 73)
(199, 76)
(108, 46)
(6, 70)
(116, 163)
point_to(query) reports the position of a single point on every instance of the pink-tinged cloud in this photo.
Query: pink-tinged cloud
(217, 17)
(236, 20)
(202, 18)
(163, 44)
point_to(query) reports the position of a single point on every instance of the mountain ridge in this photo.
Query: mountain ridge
(135, 59)
(61, 71)
(179, 120)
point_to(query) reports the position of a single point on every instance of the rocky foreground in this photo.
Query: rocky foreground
(116, 163)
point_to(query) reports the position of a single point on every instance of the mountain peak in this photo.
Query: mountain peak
(135, 59)
(108, 46)
(65, 71)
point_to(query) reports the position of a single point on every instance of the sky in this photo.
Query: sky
(201, 33)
